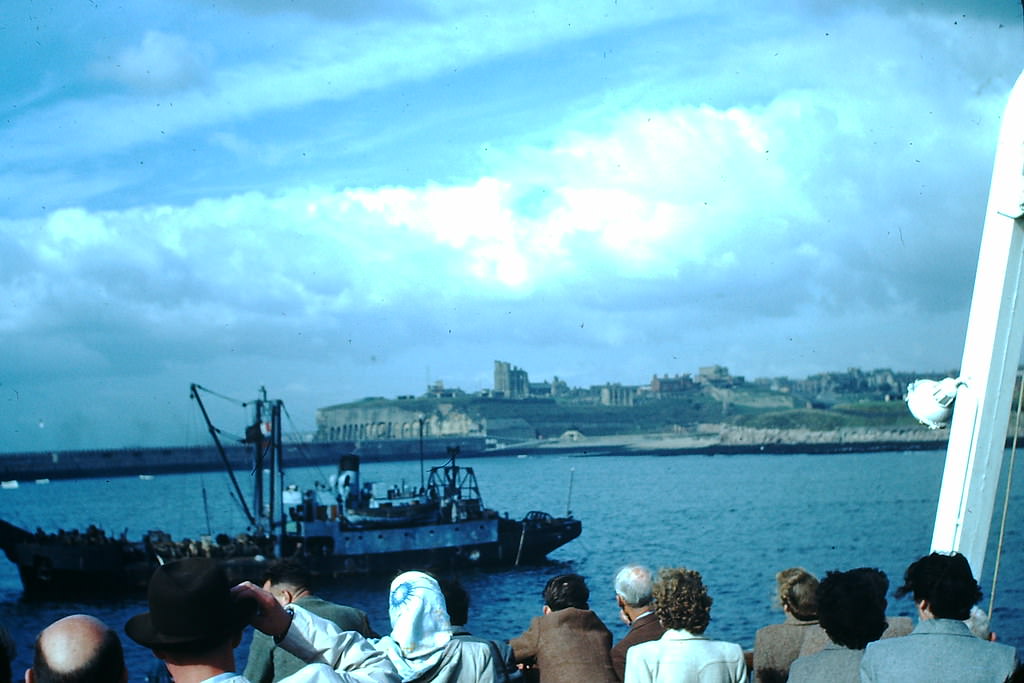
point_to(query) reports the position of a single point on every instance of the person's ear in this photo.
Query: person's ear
(546, 610)
(30, 676)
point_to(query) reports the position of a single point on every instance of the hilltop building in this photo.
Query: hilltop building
(617, 395)
(510, 381)
(669, 386)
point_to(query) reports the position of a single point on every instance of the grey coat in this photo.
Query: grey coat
(937, 650)
(834, 664)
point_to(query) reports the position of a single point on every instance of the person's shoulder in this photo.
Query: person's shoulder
(1000, 649)
(474, 645)
(349, 618)
(647, 648)
(727, 648)
(773, 629)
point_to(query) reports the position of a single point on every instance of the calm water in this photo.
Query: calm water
(736, 519)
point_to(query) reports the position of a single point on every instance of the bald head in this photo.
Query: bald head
(77, 649)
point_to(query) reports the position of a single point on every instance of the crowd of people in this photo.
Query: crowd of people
(834, 630)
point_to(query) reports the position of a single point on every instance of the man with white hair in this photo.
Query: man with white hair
(633, 587)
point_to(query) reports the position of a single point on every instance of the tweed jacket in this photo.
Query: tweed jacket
(777, 645)
(834, 664)
(267, 664)
(937, 650)
(643, 629)
(568, 646)
(682, 657)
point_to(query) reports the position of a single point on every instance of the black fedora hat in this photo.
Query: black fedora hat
(190, 601)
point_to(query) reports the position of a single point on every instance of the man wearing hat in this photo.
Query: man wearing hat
(195, 622)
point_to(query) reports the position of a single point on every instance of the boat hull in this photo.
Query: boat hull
(52, 566)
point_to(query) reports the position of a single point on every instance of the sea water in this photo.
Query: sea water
(736, 519)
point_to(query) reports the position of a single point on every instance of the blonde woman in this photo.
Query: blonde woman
(778, 645)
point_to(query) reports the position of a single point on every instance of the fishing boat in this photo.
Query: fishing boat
(346, 527)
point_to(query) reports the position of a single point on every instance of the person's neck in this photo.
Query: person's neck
(195, 673)
(635, 613)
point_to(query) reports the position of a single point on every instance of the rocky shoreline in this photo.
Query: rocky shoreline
(729, 439)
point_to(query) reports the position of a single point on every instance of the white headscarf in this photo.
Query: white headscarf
(420, 627)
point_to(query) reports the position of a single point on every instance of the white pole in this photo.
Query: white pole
(995, 331)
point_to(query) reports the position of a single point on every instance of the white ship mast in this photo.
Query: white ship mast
(995, 332)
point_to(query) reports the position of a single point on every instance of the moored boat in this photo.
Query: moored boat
(348, 527)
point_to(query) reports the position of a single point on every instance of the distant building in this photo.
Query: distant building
(617, 395)
(668, 386)
(510, 381)
(437, 390)
(716, 375)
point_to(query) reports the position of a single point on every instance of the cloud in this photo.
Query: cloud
(161, 63)
(346, 198)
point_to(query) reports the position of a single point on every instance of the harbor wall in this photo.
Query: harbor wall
(144, 461)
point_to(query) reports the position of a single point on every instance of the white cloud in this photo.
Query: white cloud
(160, 63)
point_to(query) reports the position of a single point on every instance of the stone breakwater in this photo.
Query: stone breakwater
(752, 436)
(729, 439)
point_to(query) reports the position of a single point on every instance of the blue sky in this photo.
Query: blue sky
(338, 200)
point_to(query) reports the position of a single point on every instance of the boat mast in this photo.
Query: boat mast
(995, 331)
(268, 486)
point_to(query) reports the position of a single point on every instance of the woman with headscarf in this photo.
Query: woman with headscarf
(421, 645)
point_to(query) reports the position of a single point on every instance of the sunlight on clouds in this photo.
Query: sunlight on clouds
(631, 226)
(73, 229)
(472, 219)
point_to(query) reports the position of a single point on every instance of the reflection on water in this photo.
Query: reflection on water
(736, 519)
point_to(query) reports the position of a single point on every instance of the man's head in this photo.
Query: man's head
(287, 580)
(942, 585)
(77, 649)
(633, 585)
(682, 600)
(851, 606)
(191, 610)
(456, 598)
(566, 590)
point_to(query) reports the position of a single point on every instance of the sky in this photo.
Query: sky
(337, 200)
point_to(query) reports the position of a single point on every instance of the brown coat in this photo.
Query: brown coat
(568, 646)
(641, 630)
(777, 645)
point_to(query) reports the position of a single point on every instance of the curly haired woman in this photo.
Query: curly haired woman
(683, 653)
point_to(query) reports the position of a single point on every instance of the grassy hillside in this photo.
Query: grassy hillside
(749, 407)
(879, 414)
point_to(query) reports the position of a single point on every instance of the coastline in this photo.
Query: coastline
(730, 440)
(706, 440)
